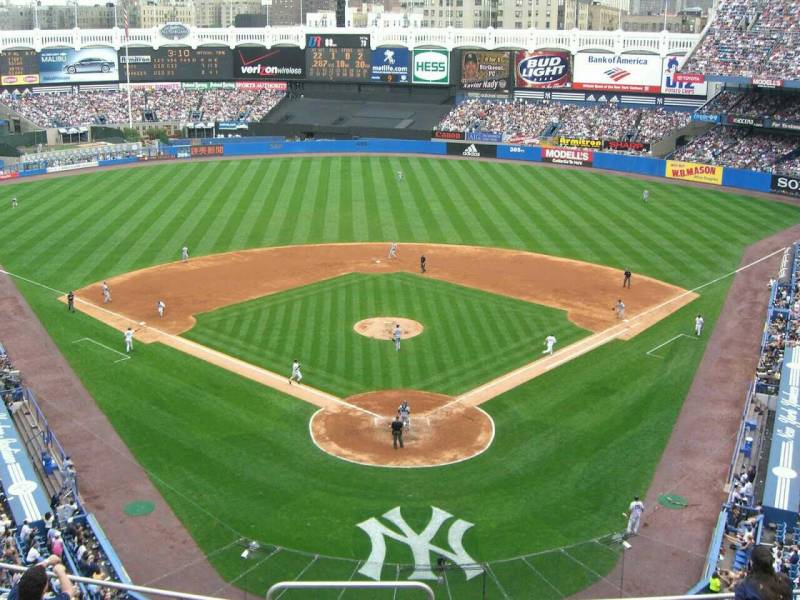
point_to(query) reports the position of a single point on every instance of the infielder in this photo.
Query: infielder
(550, 341)
(129, 340)
(296, 374)
(396, 337)
(646, 195)
(422, 261)
(106, 293)
(698, 325)
(634, 514)
(393, 250)
(71, 301)
(185, 254)
(405, 414)
(620, 309)
(160, 306)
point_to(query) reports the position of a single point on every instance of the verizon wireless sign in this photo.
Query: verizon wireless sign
(567, 156)
(265, 64)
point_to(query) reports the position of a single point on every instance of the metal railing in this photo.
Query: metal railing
(348, 585)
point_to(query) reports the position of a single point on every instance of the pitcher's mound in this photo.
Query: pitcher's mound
(381, 328)
(438, 434)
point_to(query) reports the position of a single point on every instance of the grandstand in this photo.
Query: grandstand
(717, 110)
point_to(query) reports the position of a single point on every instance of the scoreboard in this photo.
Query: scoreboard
(19, 67)
(177, 64)
(337, 40)
(339, 64)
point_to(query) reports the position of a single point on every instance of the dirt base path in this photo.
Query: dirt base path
(207, 283)
(668, 555)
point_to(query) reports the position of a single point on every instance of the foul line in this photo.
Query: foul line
(86, 339)
(609, 334)
(177, 340)
(670, 340)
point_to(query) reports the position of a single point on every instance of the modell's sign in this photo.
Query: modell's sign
(542, 69)
(567, 156)
(625, 146)
(768, 83)
(786, 185)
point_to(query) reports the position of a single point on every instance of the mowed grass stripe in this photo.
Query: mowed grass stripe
(388, 186)
(344, 206)
(450, 224)
(257, 196)
(417, 197)
(498, 213)
(378, 206)
(293, 206)
(255, 227)
(364, 226)
(310, 221)
(332, 200)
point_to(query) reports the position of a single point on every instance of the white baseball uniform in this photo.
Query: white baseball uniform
(160, 306)
(405, 414)
(106, 293)
(646, 195)
(620, 308)
(396, 337)
(185, 253)
(129, 340)
(550, 340)
(698, 325)
(635, 512)
(393, 250)
(296, 374)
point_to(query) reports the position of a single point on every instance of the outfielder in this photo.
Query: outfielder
(296, 374)
(185, 254)
(405, 414)
(160, 306)
(634, 514)
(698, 325)
(550, 341)
(396, 337)
(106, 293)
(620, 309)
(400, 175)
(14, 203)
(393, 250)
(129, 340)
(646, 195)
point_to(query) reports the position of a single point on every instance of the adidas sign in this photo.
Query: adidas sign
(471, 151)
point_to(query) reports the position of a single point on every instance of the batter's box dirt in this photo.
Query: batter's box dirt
(437, 436)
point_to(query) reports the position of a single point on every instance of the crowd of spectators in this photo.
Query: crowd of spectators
(161, 104)
(768, 371)
(741, 149)
(785, 107)
(751, 38)
(535, 119)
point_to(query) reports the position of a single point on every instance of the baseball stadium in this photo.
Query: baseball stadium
(401, 312)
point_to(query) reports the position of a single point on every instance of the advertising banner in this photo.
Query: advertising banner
(67, 65)
(567, 156)
(447, 135)
(472, 150)
(261, 85)
(431, 67)
(767, 83)
(19, 67)
(785, 184)
(484, 70)
(625, 146)
(578, 142)
(787, 125)
(745, 120)
(617, 73)
(265, 64)
(705, 118)
(210, 150)
(484, 136)
(683, 84)
(688, 171)
(542, 69)
(390, 65)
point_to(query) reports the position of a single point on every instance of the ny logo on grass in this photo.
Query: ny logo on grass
(420, 544)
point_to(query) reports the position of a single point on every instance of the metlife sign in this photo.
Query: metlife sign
(431, 67)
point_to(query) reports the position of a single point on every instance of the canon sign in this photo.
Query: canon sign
(786, 185)
(542, 69)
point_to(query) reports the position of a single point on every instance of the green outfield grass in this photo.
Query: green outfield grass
(234, 459)
(470, 336)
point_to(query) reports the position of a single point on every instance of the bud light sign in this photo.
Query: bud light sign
(542, 69)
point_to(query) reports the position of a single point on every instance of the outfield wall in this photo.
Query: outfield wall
(625, 163)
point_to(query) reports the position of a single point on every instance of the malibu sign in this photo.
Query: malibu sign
(431, 67)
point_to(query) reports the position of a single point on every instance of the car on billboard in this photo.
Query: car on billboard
(67, 65)
(431, 67)
(90, 65)
(542, 69)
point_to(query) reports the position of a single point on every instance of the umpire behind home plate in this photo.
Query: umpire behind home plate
(397, 431)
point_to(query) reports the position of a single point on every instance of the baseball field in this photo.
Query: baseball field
(534, 511)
